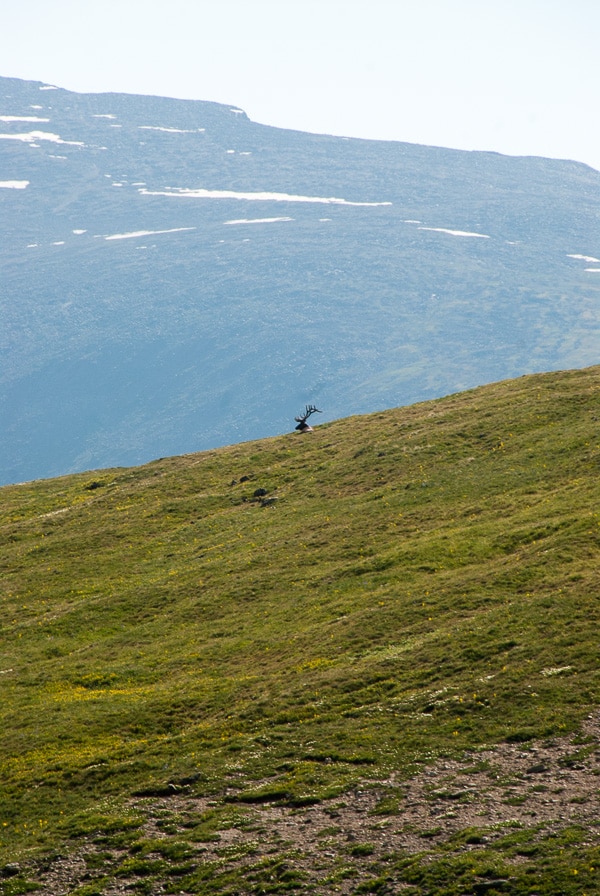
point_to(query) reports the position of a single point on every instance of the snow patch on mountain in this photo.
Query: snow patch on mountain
(34, 118)
(32, 137)
(137, 233)
(589, 258)
(481, 236)
(258, 220)
(148, 127)
(186, 193)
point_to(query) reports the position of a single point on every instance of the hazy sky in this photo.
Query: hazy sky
(515, 76)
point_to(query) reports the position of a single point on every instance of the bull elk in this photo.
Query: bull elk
(303, 426)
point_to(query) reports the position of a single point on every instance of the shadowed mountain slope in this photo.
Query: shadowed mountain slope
(175, 277)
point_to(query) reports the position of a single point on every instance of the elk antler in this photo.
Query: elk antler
(310, 409)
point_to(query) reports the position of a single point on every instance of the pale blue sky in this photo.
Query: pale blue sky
(514, 76)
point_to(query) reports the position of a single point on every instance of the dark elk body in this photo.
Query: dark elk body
(303, 426)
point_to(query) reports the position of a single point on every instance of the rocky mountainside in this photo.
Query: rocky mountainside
(175, 277)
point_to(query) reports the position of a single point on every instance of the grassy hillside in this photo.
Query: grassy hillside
(206, 659)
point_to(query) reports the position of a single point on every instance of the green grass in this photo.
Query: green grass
(426, 583)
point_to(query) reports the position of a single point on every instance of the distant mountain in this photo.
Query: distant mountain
(175, 277)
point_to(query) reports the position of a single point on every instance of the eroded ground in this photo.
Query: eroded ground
(338, 846)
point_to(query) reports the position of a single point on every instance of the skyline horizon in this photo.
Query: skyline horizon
(47, 85)
(517, 77)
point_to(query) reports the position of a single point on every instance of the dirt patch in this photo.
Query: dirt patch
(543, 786)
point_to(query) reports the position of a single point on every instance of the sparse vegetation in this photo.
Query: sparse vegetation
(190, 680)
